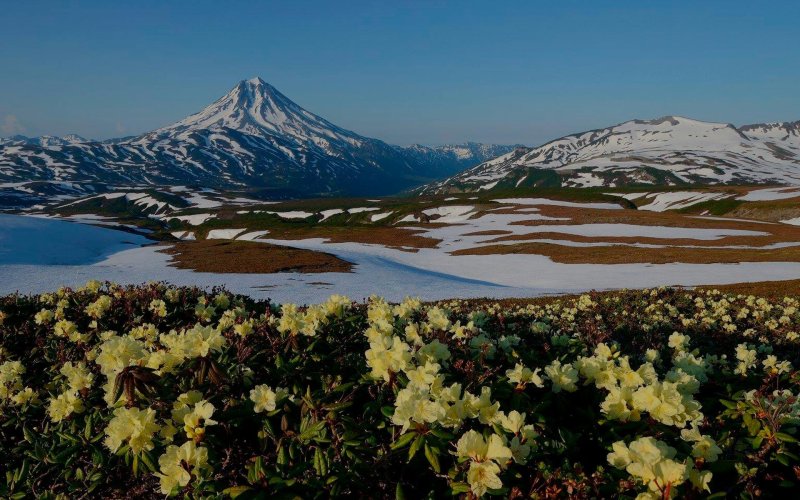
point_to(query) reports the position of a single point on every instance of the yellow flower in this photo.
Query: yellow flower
(437, 319)
(473, 445)
(522, 375)
(196, 421)
(222, 300)
(265, 398)
(563, 377)
(78, 376)
(117, 353)
(134, 426)
(482, 476)
(650, 462)
(99, 307)
(291, 321)
(10, 378)
(158, 307)
(25, 396)
(512, 422)
(178, 464)
(64, 405)
(43, 317)
(244, 328)
(65, 328)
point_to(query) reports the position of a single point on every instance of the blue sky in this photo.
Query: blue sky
(428, 71)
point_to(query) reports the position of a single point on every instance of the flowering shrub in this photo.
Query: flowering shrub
(148, 391)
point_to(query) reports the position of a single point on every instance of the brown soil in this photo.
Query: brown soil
(754, 241)
(227, 256)
(641, 217)
(769, 289)
(618, 254)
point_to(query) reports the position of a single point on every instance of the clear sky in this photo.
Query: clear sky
(430, 71)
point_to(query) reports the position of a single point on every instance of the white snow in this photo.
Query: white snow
(224, 234)
(292, 214)
(39, 255)
(252, 235)
(547, 201)
(409, 218)
(380, 216)
(193, 219)
(449, 214)
(183, 235)
(358, 210)
(676, 200)
(771, 194)
(326, 214)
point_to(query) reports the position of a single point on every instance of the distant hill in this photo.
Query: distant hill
(668, 151)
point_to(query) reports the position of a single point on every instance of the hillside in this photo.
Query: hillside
(668, 151)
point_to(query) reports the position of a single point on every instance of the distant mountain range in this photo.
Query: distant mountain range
(254, 137)
(668, 151)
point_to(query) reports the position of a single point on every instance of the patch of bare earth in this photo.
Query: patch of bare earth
(775, 210)
(230, 256)
(620, 250)
(769, 289)
(619, 254)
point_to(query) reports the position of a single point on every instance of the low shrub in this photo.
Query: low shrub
(145, 391)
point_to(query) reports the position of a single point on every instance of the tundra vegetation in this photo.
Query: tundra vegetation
(151, 390)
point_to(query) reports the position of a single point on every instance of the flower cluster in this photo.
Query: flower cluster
(108, 390)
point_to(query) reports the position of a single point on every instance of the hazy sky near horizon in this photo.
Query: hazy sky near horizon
(428, 72)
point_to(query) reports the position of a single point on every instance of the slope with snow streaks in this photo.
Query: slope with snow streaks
(668, 151)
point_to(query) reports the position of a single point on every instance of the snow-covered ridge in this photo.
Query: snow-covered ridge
(668, 151)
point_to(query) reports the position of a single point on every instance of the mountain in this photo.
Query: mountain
(451, 158)
(254, 137)
(668, 151)
(42, 140)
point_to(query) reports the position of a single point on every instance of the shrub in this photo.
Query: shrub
(149, 390)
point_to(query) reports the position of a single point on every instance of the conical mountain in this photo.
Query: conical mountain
(253, 137)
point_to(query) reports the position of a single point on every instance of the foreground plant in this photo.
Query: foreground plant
(151, 390)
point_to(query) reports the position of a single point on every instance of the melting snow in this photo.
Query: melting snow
(224, 234)
(771, 194)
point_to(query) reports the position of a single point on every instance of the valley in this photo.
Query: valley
(498, 244)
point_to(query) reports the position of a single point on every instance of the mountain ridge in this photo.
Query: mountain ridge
(671, 150)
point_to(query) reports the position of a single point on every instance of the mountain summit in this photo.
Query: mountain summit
(253, 137)
(257, 108)
(672, 150)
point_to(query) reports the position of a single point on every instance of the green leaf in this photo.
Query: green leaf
(415, 446)
(235, 491)
(147, 460)
(433, 458)
(398, 492)
(457, 488)
(786, 438)
(403, 440)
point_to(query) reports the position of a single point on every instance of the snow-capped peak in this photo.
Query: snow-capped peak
(255, 107)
